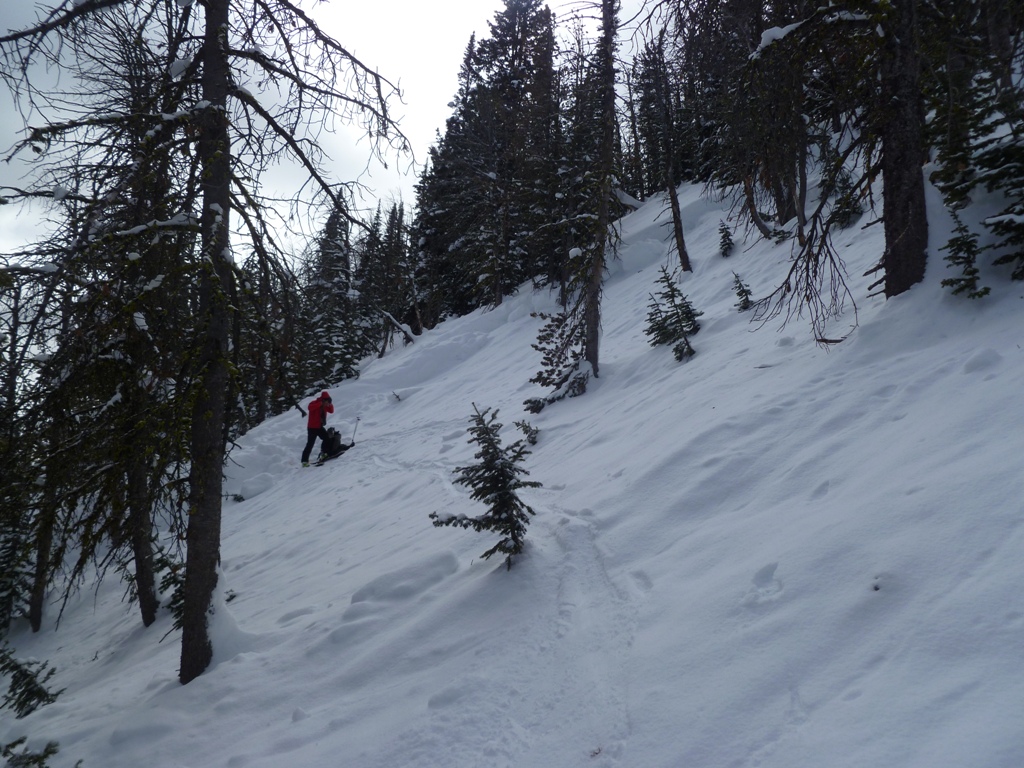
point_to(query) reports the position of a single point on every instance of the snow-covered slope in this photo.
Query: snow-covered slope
(771, 555)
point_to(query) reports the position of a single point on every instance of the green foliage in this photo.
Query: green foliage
(529, 431)
(333, 334)
(15, 575)
(848, 206)
(383, 284)
(725, 243)
(27, 689)
(742, 293)
(27, 759)
(561, 340)
(494, 481)
(963, 253)
(1002, 163)
(974, 91)
(671, 318)
(172, 583)
(488, 216)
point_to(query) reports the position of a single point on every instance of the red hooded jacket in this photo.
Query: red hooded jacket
(318, 410)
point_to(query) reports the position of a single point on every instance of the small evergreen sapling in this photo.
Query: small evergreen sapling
(27, 759)
(15, 573)
(743, 293)
(963, 252)
(172, 584)
(725, 244)
(671, 318)
(494, 481)
(529, 431)
(27, 688)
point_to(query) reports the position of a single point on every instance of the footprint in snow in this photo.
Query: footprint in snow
(767, 587)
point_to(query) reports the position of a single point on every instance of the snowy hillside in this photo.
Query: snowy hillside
(771, 555)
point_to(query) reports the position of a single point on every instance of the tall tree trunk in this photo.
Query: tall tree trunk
(677, 228)
(669, 169)
(140, 525)
(45, 524)
(606, 162)
(208, 414)
(1000, 42)
(903, 206)
(45, 527)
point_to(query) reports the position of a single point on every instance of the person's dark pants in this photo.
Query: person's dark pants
(311, 436)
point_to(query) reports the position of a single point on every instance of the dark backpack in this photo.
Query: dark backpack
(332, 444)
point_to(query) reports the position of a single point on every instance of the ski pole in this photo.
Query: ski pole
(354, 431)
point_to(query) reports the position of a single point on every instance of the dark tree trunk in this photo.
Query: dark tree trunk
(208, 415)
(1000, 42)
(41, 576)
(677, 228)
(606, 160)
(46, 525)
(140, 524)
(903, 210)
(669, 170)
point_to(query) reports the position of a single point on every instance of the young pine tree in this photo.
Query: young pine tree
(743, 293)
(27, 689)
(725, 243)
(671, 318)
(26, 757)
(963, 252)
(495, 481)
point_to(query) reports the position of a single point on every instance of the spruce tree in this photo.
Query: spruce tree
(963, 253)
(742, 293)
(725, 243)
(487, 214)
(385, 282)
(495, 480)
(335, 333)
(225, 137)
(671, 319)
(659, 118)
(25, 758)
(561, 343)
(27, 689)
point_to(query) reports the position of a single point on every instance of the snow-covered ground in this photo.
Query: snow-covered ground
(771, 555)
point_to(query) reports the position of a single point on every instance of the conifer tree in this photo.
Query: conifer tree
(742, 293)
(228, 135)
(963, 253)
(570, 340)
(271, 355)
(335, 335)
(975, 94)
(15, 575)
(385, 282)
(725, 243)
(658, 121)
(486, 219)
(27, 689)
(671, 319)
(495, 480)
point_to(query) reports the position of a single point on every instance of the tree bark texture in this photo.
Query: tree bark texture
(140, 524)
(606, 160)
(204, 523)
(903, 207)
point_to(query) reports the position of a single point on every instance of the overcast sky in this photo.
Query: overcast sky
(417, 44)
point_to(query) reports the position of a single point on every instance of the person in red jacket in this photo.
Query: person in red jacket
(316, 425)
